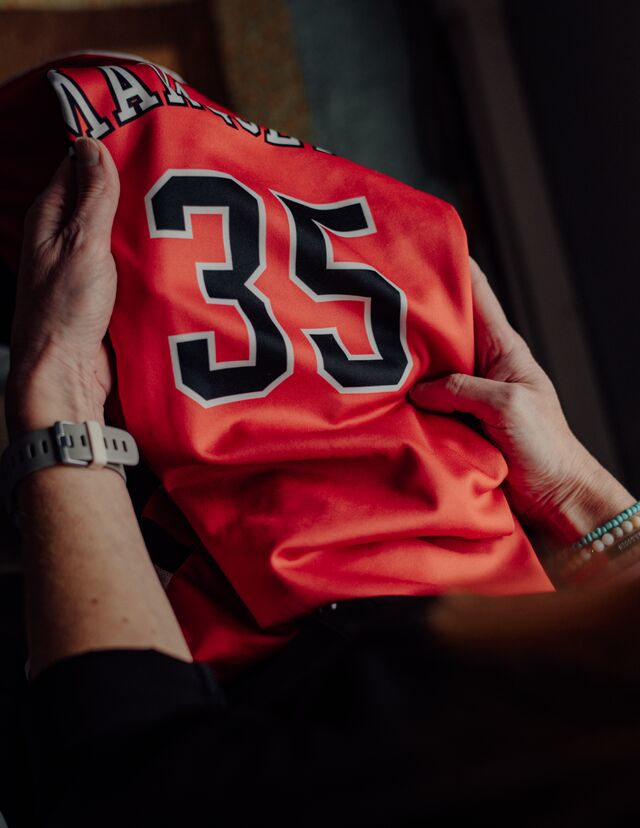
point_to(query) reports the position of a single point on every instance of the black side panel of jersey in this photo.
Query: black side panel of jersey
(164, 551)
(141, 483)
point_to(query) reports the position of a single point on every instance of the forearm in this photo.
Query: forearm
(89, 581)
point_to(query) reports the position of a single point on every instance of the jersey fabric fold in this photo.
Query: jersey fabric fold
(275, 304)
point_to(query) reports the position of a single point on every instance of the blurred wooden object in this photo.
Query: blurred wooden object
(258, 51)
(81, 5)
(240, 54)
(177, 35)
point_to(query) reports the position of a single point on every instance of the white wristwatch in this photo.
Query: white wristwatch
(87, 444)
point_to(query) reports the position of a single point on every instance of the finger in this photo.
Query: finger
(484, 398)
(52, 208)
(493, 332)
(98, 188)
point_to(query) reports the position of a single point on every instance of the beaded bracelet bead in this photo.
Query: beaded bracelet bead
(605, 535)
(606, 552)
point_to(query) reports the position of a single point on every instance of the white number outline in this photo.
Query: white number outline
(331, 264)
(227, 264)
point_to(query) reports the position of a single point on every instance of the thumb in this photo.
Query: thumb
(97, 185)
(484, 398)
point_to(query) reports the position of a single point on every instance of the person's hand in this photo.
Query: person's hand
(60, 363)
(518, 409)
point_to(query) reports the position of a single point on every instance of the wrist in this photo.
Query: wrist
(584, 502)
(40, 398)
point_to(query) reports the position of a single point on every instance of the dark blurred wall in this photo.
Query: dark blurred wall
(579, 63)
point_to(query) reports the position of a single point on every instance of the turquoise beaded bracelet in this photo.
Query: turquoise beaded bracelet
(618, 521)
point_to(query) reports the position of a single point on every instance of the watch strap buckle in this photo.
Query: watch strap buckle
(63, 442)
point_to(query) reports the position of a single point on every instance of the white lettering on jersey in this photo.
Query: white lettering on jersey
(74, 103)
(131, 96)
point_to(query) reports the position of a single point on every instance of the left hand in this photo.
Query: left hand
(550, 473)
(60, 364)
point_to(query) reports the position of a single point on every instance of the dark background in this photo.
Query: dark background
(580, 68)
(523, 113)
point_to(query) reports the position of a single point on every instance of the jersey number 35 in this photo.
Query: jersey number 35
(179, 194)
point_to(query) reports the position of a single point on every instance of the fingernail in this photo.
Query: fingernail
(87, 152)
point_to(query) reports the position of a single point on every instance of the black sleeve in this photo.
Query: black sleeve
(102, 732)
(138, 738)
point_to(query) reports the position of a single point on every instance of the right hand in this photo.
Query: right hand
(518, 409)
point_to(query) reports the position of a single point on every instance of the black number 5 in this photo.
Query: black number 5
(313, 269)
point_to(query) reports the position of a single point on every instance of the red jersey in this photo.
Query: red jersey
(275, 304)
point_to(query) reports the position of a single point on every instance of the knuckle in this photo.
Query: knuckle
(74, 235)
(520, 347)
(95, 188)
(98, 188)
(514, 397)
(82, 240)
(455, 383)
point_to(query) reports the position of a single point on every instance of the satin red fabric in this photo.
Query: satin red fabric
(305, 495)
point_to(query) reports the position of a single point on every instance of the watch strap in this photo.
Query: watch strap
(85, 444)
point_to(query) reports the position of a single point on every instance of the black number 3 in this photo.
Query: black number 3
(171, 202)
